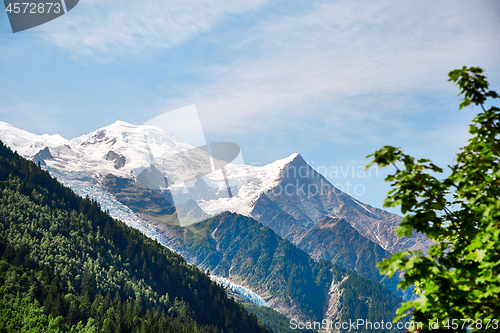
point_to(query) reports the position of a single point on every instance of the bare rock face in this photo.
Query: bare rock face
(334, 300)
(336, 240)
(42, 155)
(297, 204)
(303, 197)
(119, 159)
(249, 254)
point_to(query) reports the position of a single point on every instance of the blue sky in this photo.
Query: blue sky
(331, 80)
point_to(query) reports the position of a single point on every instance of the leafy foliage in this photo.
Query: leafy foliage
(459, 278)
(67, 266)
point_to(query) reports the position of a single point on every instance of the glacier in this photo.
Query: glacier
(85, 185)
(141, 146)
(245, 293)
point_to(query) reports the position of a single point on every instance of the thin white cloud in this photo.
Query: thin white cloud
(297, 69)
(106, 29)
(310, 60)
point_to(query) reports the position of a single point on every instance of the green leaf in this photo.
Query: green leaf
(461, 213)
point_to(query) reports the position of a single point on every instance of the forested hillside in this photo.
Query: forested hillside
(252, 254)
(67, 266)
(273, 319)
(336, 240)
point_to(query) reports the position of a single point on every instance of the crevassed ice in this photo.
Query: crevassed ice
(87, 185)
(245, 293)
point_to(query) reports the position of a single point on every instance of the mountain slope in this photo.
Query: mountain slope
(132, 163)
(334, 239)
(291, 282)
(201, 244)
(125, 150)
(28, 144)
(296, 189)
(273, 319)
(307, 197)
(65, 263)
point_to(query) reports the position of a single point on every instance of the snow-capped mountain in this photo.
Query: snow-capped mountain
(71, 163)
(148, 178)
(120, 149)
(287, 195)
(124, 150)
(28, 144)
(301, 197)
(131, 152)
